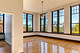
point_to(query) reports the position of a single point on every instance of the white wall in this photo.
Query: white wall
(8, 28)
(15, 7)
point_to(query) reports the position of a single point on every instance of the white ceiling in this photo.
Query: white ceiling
(36, 6)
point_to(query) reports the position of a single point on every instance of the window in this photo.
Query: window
(75, 19)
(27, 22)
(43, 22)
(1, 23)
(58, 21)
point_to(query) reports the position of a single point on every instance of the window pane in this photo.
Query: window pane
(61, 28)
(45, 28)
(75, 28)
(1, 23)
(54, 28)
(61, 12)
(55, 17)
(42, 27)
(46, 21)
(75, 20)
(42, 21)
(29, 22)
(24, 22)
(61, 20)
(55, 13)
(75, 14)
(75, 9)
(54, 21)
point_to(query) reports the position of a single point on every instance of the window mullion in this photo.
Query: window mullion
(52, 21)
(79, 19)
(26, 22)
(3, 22)
(40, 23)
(70, 20)
(57, 21)
(44, 23)
(32, 23)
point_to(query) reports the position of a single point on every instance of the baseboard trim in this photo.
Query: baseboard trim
(2, 39)
(52, 38)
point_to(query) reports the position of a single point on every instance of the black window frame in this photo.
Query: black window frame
(44, 26)
(57, 21)
(71, 20)
(27, 23)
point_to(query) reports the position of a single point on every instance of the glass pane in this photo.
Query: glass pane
(1, 23)
(75, 28)
(61, 20)
(29, 22)
(54, 28)
(54, 20)
(24, 22)
(55, 13)
(42, 21)
(55, 17)
(75, 9)
(45, 28)
(75, 18)
(61, 12)
(46, 21)
(61, 28)
(42, 27)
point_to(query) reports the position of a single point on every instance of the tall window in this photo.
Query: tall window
(1, 23)
(75, 19)
(43, 22)
(58, 21)
(28, 22)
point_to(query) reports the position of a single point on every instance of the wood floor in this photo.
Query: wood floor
(48, 45)
(4, 47)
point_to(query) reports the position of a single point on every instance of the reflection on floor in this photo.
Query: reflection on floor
(47, 45)
(4, 47)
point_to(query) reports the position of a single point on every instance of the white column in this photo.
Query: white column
(34, 22)
(37, 22)
(67, 19)
(49, 22)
